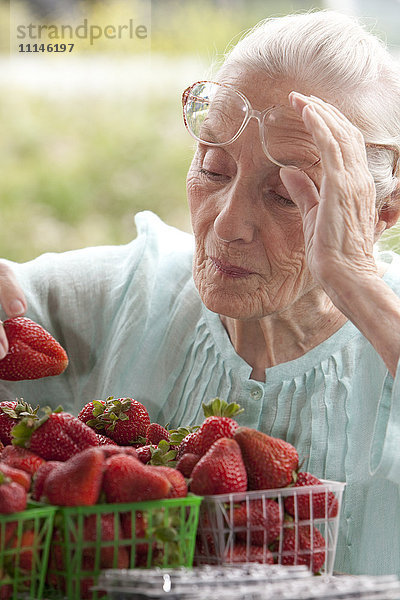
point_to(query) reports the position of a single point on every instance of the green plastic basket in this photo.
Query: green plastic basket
(24, 549)
(89, 539)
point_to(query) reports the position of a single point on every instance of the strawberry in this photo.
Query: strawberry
(40, 477)
(8, 530)
(11, 412)
(302, 546)
(127, 479)
(324, 504)
(101, 528)
(27, 547)
(144, 453)
(91, 410)
(178, 484)
(76, 481)
(189, 444)
(17, 475)
(261, 518)
(13, 497)
(186, 463)
(55, 436)
(112, 449)
(242, 553)
(104, 440)
(213, 429)
(219, 423)
(32, 352)
(220, 471)
(270, 462)
(155, 433)
(124, 420)
(21, 458)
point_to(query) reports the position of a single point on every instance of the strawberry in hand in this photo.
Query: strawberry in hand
(32, 352)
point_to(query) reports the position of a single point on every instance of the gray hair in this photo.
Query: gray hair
(341, 62)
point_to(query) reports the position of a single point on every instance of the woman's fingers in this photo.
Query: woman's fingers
(340, 143)
(12, 299)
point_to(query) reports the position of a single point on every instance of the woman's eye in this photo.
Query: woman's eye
(281, 199)
(213, 175)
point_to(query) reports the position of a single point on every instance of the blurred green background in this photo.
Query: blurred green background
(90, 138)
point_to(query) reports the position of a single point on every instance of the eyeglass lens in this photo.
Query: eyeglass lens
(215, 114)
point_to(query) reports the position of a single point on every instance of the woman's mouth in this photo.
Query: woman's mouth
(228, 269)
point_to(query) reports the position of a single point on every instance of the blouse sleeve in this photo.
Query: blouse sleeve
(385, 447)
(97, 303)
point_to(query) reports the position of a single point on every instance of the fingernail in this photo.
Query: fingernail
(16, 307)
(3, 350)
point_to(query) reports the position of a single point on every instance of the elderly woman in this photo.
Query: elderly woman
(289, 312)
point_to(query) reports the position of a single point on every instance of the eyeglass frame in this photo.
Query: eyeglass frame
(260, 116)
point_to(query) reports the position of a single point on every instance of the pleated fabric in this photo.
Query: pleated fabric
(133, 325)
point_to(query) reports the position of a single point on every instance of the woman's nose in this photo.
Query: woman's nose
(235, 220)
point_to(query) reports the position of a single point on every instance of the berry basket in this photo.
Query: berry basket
(88, 539)
(288, 526)
(24, 549)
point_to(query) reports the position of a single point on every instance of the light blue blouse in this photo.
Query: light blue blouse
(133, 325)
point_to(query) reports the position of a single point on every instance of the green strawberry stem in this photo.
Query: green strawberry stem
(177, 435)
(221, 408)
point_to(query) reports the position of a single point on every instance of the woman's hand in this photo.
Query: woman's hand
(339, 218)
(12, 299)
(341, 224)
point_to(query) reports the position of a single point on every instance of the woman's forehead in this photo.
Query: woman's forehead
(260, 90)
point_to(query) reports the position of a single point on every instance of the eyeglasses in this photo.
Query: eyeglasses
(216, 114)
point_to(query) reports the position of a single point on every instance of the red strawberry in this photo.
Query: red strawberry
(27, 546)
(76, 481)
(213, 429)
(178, 484)
(124, 420)
(302, 546)
(242, 553)
(7, 530)
(55, 436)
(21, 458)
(17, 475)
(270, 462)
(144, 453)
(11, 412)
(32, 352)
(104, 440)
(101, 528)
(112, 449)
(189, 444)
(324, 504)
(91, 410)
(186, 463)
(40, 477)
(127, 479)
(155, 433)
(220, 470)
(261, 518)
(13, 497)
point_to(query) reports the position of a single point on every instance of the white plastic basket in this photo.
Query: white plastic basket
(219, 535)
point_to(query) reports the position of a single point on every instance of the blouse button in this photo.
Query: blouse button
(256, 393)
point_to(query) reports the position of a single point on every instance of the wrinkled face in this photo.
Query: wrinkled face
(249, 259)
